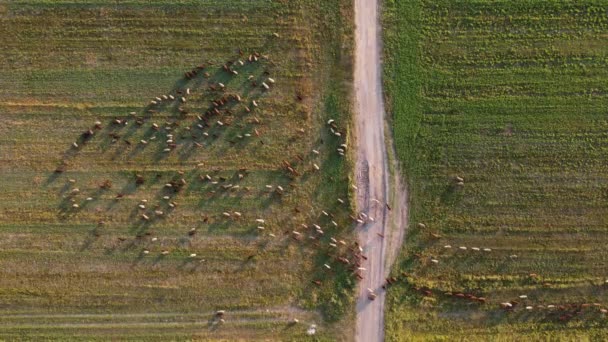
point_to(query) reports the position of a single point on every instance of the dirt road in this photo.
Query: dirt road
(375, 185)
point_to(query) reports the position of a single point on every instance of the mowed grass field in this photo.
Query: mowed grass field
(80, 261)
(511, 97)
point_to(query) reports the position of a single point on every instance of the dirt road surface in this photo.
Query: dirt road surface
(382, 237)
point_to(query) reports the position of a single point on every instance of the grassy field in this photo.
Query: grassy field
(511, 97)
(80, 261)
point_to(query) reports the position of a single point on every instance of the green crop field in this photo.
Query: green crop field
(511, 96)
(164, 213)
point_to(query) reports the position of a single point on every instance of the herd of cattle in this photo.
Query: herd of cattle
(320, 234)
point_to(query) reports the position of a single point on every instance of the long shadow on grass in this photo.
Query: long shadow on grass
(115, 132)
(178, 116)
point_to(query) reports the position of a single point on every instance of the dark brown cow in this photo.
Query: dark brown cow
(87, 134)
